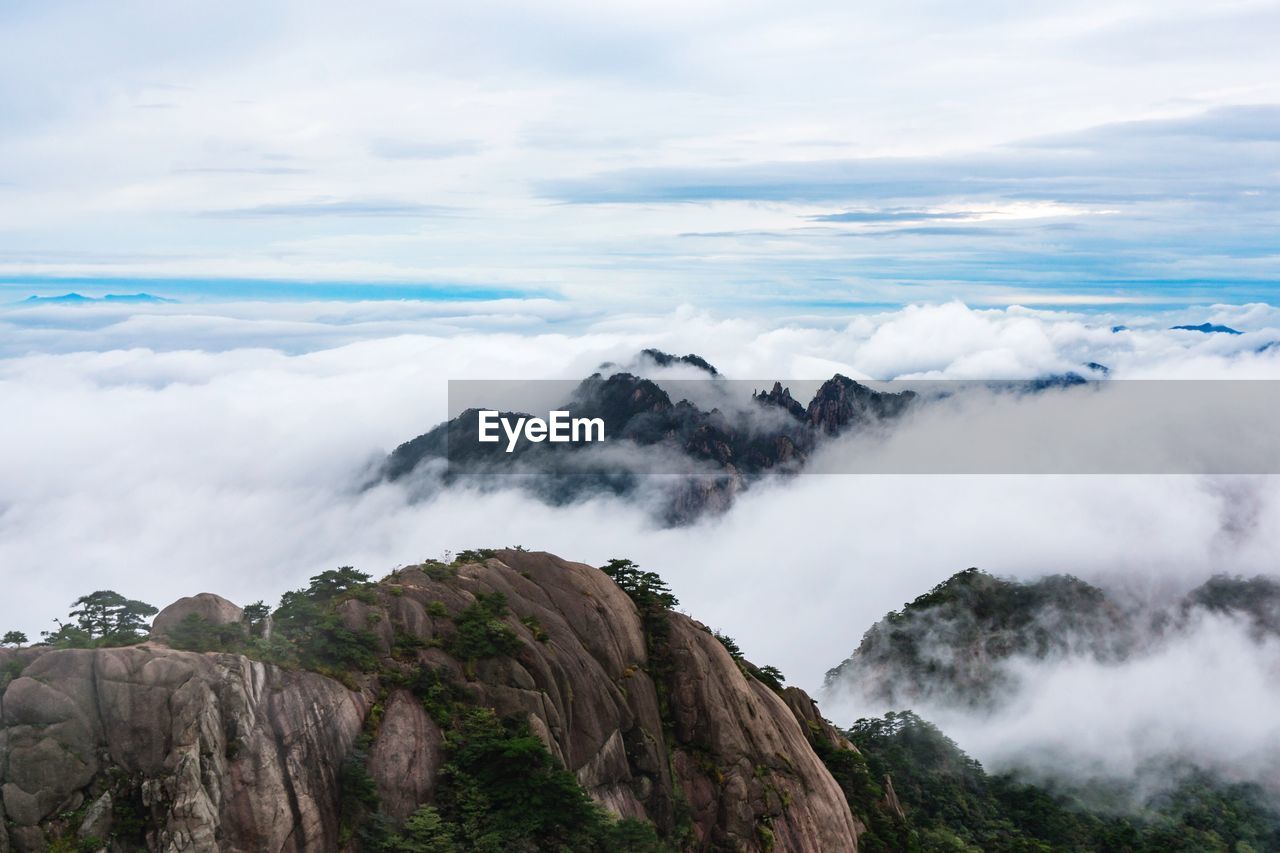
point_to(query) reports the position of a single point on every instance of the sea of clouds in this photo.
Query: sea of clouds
(170, 449)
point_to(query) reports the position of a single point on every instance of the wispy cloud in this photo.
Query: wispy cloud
(240, 170)
(345, 209)
(1218, 155)
(893, 215)
(415, 149)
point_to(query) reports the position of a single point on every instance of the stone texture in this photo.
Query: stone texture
(406, 757)
(747, 763)
(225, 753)
(817, 727)
(97, 819)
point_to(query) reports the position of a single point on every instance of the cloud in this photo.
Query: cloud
(413, 149)
(894, 215)
(239, 170)
(1120, 163)
(339, 208)
(178, 448)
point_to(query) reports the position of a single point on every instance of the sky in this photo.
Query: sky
(742, 156)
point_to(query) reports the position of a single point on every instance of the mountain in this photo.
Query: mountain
(1257, 600)
(716, 453)
(506, 700)
(953, 645)
(78, 299)
(509, 700)
(1209, 329)
(953, 648)
(662, 359)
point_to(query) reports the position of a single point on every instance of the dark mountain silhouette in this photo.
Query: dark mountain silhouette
(1209, 329)
(79, 299)
(716, 454)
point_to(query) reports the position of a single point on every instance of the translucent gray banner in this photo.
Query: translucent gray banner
(623, 426)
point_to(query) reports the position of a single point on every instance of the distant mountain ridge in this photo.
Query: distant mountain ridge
(953, 644)
(1208, 329)
(79, 299)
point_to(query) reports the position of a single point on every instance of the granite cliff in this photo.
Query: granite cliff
(271, 740)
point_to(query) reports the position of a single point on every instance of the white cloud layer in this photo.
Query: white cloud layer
(206, 460)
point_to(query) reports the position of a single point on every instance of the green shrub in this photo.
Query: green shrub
(474, 555)
(730, 645)
(438, 571)
(481, 633)
(11, 670)
(505, 791)
(424, 832)
(197, 634)
(539, 633)
(647, 589)
(308, 631)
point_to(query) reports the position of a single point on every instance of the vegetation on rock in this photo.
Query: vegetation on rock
(952, 804)
(101, 619)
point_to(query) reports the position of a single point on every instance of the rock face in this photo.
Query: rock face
(213, 609)
(199, 752)
(407, 756)
(218, 752)
(765, 783)
(842, 403)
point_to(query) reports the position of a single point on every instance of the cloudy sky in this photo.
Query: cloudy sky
(741, 155)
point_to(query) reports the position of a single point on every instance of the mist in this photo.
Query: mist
(1203, 695)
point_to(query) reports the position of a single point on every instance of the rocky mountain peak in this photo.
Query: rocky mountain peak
(342, 724)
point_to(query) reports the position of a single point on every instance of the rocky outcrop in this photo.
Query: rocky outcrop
(192, 751)
(841, 404)
(406, 757)
(743, 760)
(782, 399)
(818, 727)
(217, 751)
(213, 609)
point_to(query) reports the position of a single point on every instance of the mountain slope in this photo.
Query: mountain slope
(953, 645)
(951, 803)
(486, 704)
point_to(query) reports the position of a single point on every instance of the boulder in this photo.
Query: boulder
(213, 609)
